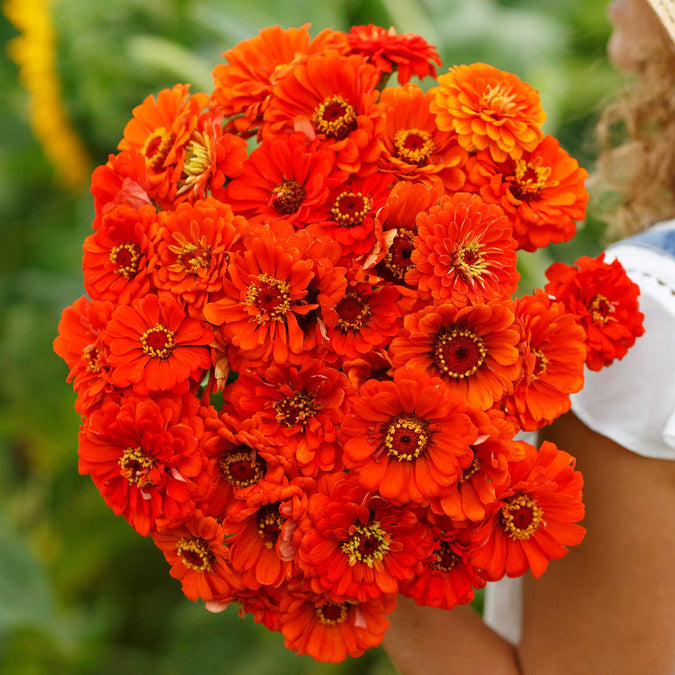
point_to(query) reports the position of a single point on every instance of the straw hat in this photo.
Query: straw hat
(665, 9)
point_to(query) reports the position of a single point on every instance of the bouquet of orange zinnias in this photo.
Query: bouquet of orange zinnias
(301, 368)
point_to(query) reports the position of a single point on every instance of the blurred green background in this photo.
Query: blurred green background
(80, 592)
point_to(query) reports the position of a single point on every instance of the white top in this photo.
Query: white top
(631, 402)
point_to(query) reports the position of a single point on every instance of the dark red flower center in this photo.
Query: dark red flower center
(353, 312)
(332, 613)
(136, 466)
(398, 259)
(414, 146)
(334, 117)
(158, 342)
(520, 517)
(406, 437)
(271, 298)
(242, 467)
(470, 470)
(445, 558)
(195, 554)
(157, 147)
(530, 179)
(351, 208)
(366, 544)
(600, 309)
(269, 522)
(459, 353)
(296, 409)
(125, 259)
(287, 197)
(192, 256)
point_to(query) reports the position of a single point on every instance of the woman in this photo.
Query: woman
(609, 606)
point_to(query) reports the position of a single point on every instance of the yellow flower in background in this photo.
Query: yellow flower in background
(34, 51)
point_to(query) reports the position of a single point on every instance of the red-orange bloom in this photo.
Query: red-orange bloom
(299, 408)
(414, 148)
(265, 295)
(485, 474)
(464, 249)
(408, 53)
(330, 631)
(193, 245)
(543, 192)
(447, 578)
(286, 178)
(489, 109)
(604, 300)
(244, 83)
(155, 346)
(333, 98)
(119, 255)
(160, 130)
(405, 439)
(535, 519)
(365, 318)
(554, 352)
(80, 344)
(359, 546)
(144, 457)
(473, 348)
(199, 558)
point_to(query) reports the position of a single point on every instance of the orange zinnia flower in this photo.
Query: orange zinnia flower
(473, 348)
(414, 148)
(193, 245)
(464, 250)
(487, 471)
(333, 98)
(489, 109)
(244, 83)
(365, 318)
(119, 255)
(286, 178)
(604, 300)
(155, 346)
(265, 295)
(160, 130)
(404, 439)
(330, 631)
(358, 546)
(543, 192)
(535, 519)
(447, 578)
(553, 353)
(299, 408)
(80, 344)
(199, 558)
(145, 458)
(407, 53)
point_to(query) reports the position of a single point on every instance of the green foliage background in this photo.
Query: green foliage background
(80, 592)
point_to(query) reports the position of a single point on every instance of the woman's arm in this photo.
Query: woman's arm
(606, 607)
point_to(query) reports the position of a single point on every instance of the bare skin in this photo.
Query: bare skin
(607, 607)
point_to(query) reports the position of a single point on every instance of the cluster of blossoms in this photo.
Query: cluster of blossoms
(301, 368)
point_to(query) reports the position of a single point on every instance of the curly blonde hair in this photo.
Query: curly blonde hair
(636, 134)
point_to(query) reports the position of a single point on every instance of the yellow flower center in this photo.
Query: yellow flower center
(601, 309)
(287, 197)
(158, 342)
(242, 467)
(157, 147)
(271, 298)
(125, 258)
(445, 558)
(398, 261)
(406, 437)
(468, 260)
(353, 312)
(459, 353)
(498, 100)
(520, 517)
(367, 544)
(195, 554)
(531, 178)
(334, 117)
(351, 208)
(269, 522)
(414, 146)
(296, 409)
(136, 466)
(191, 256)
(540, 364)
(198, 158)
